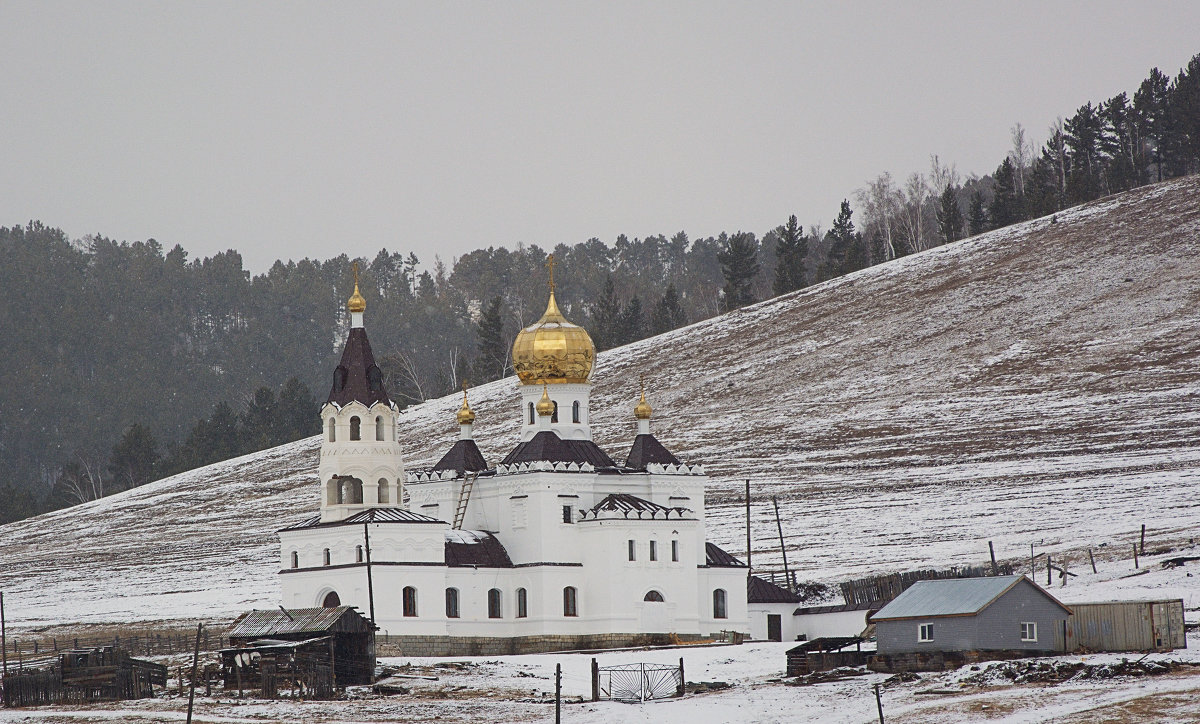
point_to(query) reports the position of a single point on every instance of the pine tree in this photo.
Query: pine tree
(977, 219)
(847, 249)
(668, 313)
(739, 266)
(1006, 204)
(260, 421)
(492, 353)
(949, 216)
(791, 253)
(297, 412)
(633, 321)
(134, 458)
(606, 317)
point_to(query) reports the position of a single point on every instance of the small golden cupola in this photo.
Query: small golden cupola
(545, 406)
(466, 415)
(553, 350)
(642, 412)
(356, 304)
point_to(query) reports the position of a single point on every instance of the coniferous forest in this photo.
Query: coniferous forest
(124, 362)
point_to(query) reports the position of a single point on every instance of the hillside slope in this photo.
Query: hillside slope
(1040, 383)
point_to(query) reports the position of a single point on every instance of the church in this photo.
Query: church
(557, 546)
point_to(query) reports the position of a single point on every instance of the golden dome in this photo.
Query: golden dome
(553, 350)
(642, 410)
(465, 415)
(545, 406)
(356, 304)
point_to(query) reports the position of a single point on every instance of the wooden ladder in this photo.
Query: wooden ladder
(464, 496)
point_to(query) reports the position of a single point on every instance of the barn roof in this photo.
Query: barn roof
(759, 590)
(953, 597)
(276, 622)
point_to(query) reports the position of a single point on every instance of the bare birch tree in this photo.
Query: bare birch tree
(916, 199)
(882, 204)
(1021, 155)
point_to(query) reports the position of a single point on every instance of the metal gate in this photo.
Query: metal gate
(640, 682)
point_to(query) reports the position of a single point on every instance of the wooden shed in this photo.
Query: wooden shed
(351, 635)
(1126, 626)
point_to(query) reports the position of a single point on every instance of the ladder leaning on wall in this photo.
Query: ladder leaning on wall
(464, 496)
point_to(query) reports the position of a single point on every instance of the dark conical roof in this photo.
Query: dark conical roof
(647, 449)
(463, 457)
(357, 378)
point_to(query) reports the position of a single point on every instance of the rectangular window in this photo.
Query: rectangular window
(451, 603)
(632, 551)
(675, 551)
(654, 550)
(925, 632)
(1029, 631)
(568, 515)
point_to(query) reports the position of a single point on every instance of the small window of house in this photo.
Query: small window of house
(358, 554)
(332, 431)
(451, 603)
(570, 601)
(632, 551)
(1029, 631)
(325, 557)
(575, 412)
(355, 428)
(654, 550)
(494, 603)
(410, 601)
(522, 603)
(379, 429)
(295, 559)
(568, 514)
(675, 551)
(719, 604)
(654, 597)
(925, 632)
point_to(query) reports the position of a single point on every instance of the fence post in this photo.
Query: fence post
(558, 694)
(682, 680)
(595, 680)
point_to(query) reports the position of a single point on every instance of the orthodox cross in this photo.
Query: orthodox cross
(355, 267)
(550, 265)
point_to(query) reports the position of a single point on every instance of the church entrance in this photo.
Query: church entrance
(331, 600)
(774, 627)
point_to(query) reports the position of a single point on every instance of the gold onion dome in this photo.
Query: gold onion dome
(356, 304)
(552, 350)
(642, 410)
(545, 406)
(465, 415)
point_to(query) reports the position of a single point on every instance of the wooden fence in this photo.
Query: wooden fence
(881, 589)
(26, 651)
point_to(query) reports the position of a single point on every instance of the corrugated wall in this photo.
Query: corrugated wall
(1126, 626)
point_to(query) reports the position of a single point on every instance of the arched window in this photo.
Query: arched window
(339, 379)
(332, 431)
(554, 416)
(358, 554)
(410, 601)
(570, 601)
(355, 428)
(719, 610)
(522, 603)
(334, 487)
(494, 603)
(451, 603)
(379, 428)
(654, 596)
(383, 490)
(375, 378)
(325, 557)
(331, 600)
(531, 417)
(575, 411)
(295, 559)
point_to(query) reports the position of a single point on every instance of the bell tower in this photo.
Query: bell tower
(361, 466)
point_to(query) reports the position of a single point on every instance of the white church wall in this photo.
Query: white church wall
(788, 626)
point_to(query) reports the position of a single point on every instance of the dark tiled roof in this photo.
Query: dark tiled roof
(475, 548)
(464, 456)
(837, 608)
(548, 446)
(357, 378)
(275, 622)
(371, 515)
(647, 449)
(763, 591)
(718, 558)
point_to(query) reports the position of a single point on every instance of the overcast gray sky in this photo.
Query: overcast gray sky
(299, 129)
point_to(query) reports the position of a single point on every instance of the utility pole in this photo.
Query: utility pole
(879, 703)
(787, 575)
(3, 637)
(749, 563)
(195, 666)
(370, 584)
(558, 694)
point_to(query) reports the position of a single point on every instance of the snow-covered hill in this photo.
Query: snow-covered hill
(1040, 383)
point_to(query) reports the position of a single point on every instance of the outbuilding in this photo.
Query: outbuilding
(770, 607)
(347, 635)
(1010, 614)
(1155, 625)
